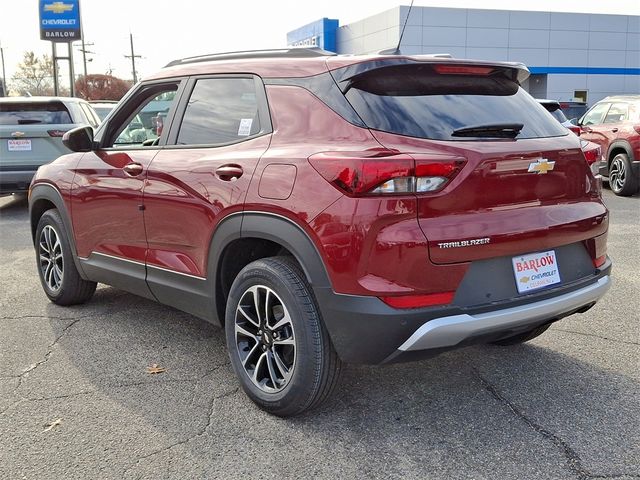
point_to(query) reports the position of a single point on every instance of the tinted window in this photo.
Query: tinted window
(617, 113)
(413, 100)
(220, 110)
(146, 125)
(555, 110)
(595, 115)
(34, 113)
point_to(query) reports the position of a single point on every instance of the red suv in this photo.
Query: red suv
(614, 124)
(327, 209)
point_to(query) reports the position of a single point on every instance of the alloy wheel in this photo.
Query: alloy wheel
(51, 260)
(265, 339)
(617, 174)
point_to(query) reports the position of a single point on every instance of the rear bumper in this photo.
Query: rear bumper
(365, 330)
(16, 180)
(452, 330)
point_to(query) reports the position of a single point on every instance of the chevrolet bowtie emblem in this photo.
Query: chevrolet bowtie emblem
(541, 166)
(58, 7)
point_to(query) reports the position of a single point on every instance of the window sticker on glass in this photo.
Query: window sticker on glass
(245, 127)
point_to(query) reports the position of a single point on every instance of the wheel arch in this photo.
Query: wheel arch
(616, 147)
(243, 238)
(44, 197)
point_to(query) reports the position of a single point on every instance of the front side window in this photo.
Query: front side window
(220, 111)
(146, 123)
(595, 115)
(617, 113)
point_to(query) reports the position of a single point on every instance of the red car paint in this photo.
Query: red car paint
(370, 245)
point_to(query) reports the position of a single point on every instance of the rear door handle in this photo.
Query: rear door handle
(614, 130)
(229, 172)
(133, 169)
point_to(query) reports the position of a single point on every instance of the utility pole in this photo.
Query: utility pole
(4, 74)
(133, 57)
(84, 51)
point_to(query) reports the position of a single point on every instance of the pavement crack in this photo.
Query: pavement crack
(50, 348)
(201, 431)
(573, 460)
(596, 336)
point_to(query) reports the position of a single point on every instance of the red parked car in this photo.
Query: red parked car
(327, 209)
(614, 124)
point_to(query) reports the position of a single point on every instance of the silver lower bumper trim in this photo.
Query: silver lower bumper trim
(449, 331)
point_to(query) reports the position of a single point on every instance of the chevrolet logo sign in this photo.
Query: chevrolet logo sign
(58, 7)
(541, 166)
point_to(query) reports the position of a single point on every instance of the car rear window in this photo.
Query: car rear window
(48, 113)
(416, 101)
(556, 112)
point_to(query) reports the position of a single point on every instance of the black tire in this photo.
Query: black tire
(57, 271)
(294, 367)
(523, 337)
(622, 180)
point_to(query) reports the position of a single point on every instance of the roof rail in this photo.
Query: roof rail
(295, 52)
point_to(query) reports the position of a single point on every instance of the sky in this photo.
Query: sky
(164, 30)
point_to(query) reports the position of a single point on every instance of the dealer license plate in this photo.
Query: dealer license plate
(536, 270)
(20, 145)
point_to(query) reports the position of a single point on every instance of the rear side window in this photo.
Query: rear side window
(28, 113)
(416, 101)
(220, 111)
(617, 113)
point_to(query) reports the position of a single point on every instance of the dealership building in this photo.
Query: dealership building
(571, 56)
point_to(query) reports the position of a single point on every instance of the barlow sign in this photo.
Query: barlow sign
(60, 20)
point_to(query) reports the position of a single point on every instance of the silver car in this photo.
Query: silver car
(31, 130)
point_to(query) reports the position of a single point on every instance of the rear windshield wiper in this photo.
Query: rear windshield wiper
(494, 130)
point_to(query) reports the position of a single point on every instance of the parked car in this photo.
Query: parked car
(103, 107)
(614, 124)
(573, 110)
(553, 107)
(327, 209)
(31, 130)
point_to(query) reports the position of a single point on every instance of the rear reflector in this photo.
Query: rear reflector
(418, 301)
(598, 262)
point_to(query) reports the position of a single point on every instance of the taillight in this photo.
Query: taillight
(56, 133)
(592, 153)
(384, 173)
(418, 301)
(575, 129)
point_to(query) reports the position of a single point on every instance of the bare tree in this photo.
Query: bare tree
(101, 87)
(34, 75)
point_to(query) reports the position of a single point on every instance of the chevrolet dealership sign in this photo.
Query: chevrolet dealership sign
(60, 20)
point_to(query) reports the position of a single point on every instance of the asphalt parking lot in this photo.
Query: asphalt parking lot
(76, 400)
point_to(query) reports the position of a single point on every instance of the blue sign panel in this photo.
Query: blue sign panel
(60, 20)
(321, 33)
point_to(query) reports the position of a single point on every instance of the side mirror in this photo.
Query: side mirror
(79, 139)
